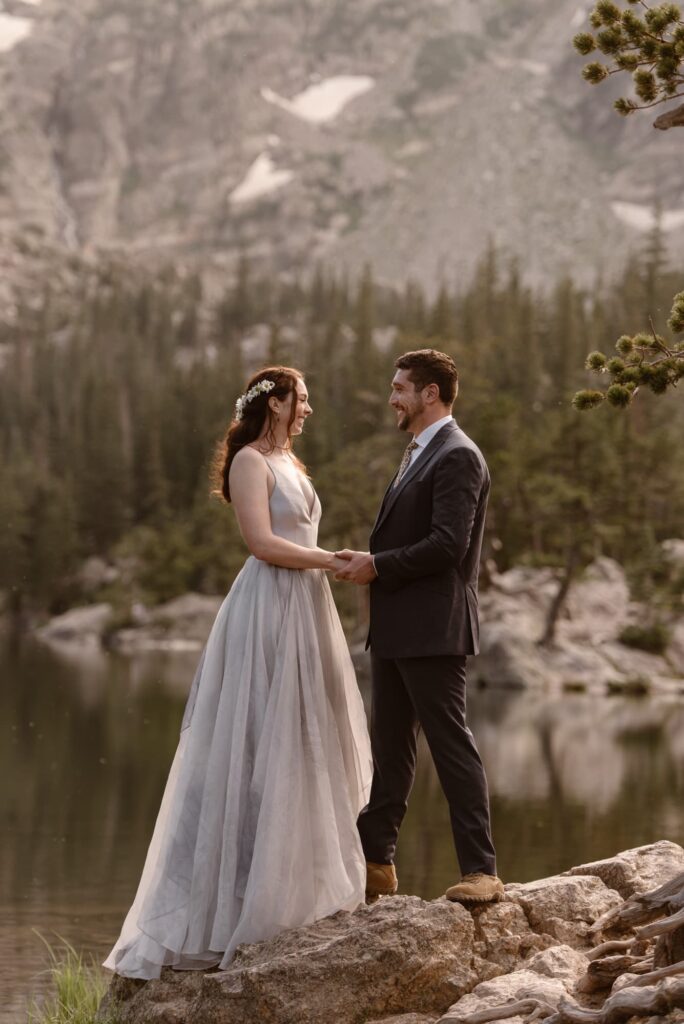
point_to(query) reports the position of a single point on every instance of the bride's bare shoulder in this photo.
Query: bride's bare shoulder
(248, 455)
(249, 469)
(248, 462)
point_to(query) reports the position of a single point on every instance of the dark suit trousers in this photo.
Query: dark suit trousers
(427, 693)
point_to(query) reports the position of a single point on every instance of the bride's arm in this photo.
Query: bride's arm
(249, 479)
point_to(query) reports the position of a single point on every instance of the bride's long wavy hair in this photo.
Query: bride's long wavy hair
(255, 414)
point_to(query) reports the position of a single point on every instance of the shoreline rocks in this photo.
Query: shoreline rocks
(586, 654)
(408, 961)
(182, 624)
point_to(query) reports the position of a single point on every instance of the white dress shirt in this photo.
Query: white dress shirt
(423, 439)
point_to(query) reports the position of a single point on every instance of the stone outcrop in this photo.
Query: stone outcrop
(180, 624)
(564, 906)
(586, 653)
(547, 977)
(85, 625)
(407, 961)
(401, 955)
(637, 871)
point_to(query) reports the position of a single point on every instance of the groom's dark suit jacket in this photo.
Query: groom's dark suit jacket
(426, 544)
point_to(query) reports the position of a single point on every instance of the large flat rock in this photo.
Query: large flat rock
(400, 956)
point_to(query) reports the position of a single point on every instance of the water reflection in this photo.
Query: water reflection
(88, 740)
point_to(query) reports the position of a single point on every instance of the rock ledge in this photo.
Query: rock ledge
(408, 961)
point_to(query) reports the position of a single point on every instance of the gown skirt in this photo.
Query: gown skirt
(256, 831)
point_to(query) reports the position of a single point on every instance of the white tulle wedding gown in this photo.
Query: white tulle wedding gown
(257, 826)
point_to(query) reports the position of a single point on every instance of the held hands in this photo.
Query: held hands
(357, 567)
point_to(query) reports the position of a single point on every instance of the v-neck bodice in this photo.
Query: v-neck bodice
(295, 508)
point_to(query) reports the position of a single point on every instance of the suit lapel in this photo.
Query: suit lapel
(425, 457)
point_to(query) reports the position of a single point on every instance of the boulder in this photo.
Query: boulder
(562, 962)
(510, 659)
(586, 653)
(638, 870)
(564, 906)
(182, 624)
(504, 938)
(675, 650)
(400, 956)
(507, 988)
(547, 976)
(673, 552)
(598, 603)
(95, 573)
(191, 614)
(86, 625)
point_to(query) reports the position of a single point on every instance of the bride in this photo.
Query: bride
(257, 826)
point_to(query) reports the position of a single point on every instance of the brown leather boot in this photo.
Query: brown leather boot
(476, 888)
(381, 880)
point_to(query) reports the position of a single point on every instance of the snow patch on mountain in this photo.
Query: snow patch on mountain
(643, 218)
(534, 67)
(324, 100)
(262, 178)
(12, 30)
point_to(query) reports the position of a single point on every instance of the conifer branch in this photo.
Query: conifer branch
(650, 49)
(637, 365)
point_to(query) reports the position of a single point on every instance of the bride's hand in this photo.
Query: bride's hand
(338, 564)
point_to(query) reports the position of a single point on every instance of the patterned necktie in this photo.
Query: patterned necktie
(406, 458)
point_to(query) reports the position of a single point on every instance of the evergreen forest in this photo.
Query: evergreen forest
(115, 392)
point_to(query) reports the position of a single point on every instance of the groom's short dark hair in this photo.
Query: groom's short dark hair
(429, 366)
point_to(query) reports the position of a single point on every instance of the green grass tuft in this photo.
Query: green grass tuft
(79, 985)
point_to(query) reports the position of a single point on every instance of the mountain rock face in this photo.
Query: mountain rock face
(401, 133)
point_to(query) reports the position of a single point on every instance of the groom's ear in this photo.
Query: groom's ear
(431, 393)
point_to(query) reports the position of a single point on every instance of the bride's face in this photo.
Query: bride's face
(302, 408)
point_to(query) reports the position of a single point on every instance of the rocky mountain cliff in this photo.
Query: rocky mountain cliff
(403, 133)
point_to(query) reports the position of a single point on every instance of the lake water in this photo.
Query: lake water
(87, 741)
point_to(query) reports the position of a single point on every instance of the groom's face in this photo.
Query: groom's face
(406, 401)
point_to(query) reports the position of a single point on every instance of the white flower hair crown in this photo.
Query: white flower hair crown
(262, 388)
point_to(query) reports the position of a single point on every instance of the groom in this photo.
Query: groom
(423, 569)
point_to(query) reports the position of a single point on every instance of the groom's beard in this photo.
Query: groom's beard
(405, 421)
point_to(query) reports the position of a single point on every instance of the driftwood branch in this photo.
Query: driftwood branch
(670, 119)
(656, 1000)
(614, 946)
(643, 907)
(602, 973)
(521, 1007)
(662, 927)
(674, 970)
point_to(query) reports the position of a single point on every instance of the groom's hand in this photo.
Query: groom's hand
(359, 568)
